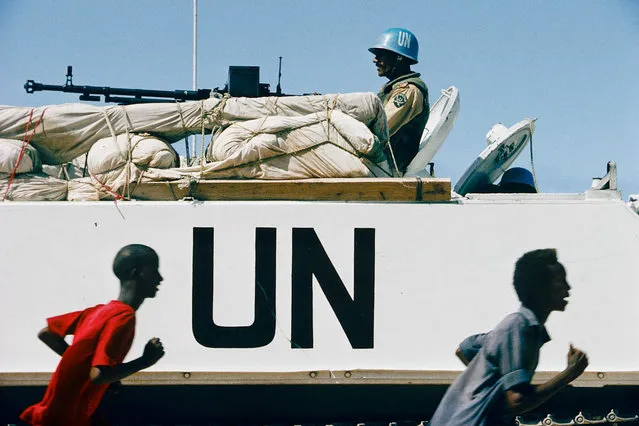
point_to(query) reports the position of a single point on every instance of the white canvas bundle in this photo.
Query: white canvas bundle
(365, 107)
(74, 169)
(32, 187)
(64, 132)
(10, 150)
(323, 144)
(69, 130)
(326, 144)
(116, 162)
(86, 189)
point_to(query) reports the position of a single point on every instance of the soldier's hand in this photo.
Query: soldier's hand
(577, 362)
(153, 351)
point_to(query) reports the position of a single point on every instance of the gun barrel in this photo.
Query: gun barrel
(31, 86)
(114, 94)
(241, 87)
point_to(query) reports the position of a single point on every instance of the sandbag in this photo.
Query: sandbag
(365, 107)
(325, 144)
(69, 130)
(74, 169)
(116, 162)
(86, 189)
(32, 187)
(63, 132)
(10, 150)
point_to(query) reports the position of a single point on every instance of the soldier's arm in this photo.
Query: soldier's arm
(404, 104)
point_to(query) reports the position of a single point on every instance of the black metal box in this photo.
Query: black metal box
(244, 81)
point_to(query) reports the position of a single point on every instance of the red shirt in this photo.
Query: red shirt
(102, 337)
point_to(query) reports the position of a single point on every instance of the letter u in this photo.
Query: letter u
(205, 331)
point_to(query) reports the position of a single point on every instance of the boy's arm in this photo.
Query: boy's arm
(101, 374)
(522, 399)
(57, 327)
(469, 347)
(52, 340)
(461, 357)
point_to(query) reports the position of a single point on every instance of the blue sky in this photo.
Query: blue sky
(572, 64)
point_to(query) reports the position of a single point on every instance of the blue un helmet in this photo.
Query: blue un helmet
(398, 40)
(518, 180)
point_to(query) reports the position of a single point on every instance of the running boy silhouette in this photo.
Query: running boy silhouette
(102, 337)
(496, 385)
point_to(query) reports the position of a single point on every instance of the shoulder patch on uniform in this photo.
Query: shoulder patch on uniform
(399, 100)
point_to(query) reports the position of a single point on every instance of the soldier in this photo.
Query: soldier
(405, 96)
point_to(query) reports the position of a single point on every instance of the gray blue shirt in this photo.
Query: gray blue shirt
(499, 360)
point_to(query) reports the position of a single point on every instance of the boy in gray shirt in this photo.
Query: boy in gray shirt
(496, 385)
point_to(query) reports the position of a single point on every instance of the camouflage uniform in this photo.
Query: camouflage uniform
(406, 104)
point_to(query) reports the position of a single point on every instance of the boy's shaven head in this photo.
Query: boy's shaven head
(132, 257)
(534, 272)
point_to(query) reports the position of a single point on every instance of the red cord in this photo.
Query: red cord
(107, 188)
(25, 143)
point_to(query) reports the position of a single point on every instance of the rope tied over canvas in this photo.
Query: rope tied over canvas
(26, 140)
(216, 114)
(181, 116)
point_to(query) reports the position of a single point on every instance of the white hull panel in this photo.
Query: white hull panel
(441, 272)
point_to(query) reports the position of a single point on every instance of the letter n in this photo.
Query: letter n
(262, 331)
(403, 39)
(355, 315)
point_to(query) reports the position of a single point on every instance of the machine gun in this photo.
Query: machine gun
(242, 81)
(117, 94)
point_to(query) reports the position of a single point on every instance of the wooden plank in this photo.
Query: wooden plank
(322, 377)
(343, 189)
(162, 191)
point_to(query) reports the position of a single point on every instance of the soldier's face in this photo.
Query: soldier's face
(385, 62)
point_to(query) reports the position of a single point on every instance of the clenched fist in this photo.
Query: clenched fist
(577, 362)
(153, 351)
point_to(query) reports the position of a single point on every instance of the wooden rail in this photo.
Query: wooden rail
(342, 189)
(320, 377)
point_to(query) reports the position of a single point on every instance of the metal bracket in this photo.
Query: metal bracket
(609, 181)
(580, 419)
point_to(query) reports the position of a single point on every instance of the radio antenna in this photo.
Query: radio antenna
(278, 89)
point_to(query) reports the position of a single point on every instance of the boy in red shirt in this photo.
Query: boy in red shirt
(102, 337)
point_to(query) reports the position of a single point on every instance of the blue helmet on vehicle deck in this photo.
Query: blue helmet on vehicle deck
(518, 179)
(398, 40)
